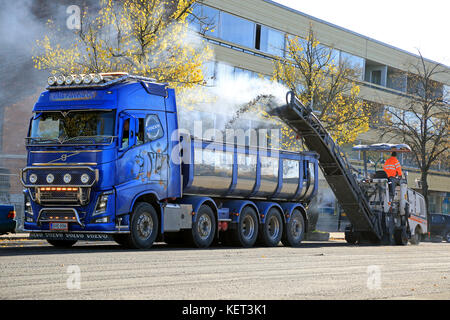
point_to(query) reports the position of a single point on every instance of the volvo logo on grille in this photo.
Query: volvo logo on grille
(64, 157)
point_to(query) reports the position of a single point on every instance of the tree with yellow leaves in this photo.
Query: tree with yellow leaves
(311, 72)
(144, 37)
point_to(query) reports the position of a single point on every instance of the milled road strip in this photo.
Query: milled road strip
(326, 270)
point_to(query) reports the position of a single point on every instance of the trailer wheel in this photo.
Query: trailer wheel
(62, 243)
(246, 232)
(272, 229)
(143, 226)
(204, 228)
(295, 229)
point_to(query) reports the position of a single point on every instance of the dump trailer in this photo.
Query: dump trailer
(375, 216)
(105, 160)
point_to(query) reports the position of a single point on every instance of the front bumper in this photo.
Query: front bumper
(84, 236)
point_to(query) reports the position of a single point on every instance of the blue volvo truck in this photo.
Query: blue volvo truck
(105, 160)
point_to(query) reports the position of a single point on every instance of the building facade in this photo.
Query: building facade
(247, 35)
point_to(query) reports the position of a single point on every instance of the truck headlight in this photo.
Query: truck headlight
(67, 178)
(84, 178)
(33, 178)
(28, 210)
(101, 204)
(50, 178)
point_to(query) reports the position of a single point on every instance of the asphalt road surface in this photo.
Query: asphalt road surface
(32, 269)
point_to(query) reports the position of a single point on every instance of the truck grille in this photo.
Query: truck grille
(62, 195)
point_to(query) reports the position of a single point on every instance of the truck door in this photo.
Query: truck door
(153, 128)
(142, 164)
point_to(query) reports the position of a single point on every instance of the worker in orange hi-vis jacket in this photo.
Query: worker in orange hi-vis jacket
(393, 170)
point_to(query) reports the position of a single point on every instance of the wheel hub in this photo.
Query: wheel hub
(145, 226)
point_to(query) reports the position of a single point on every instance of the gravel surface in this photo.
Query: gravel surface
(32, 269)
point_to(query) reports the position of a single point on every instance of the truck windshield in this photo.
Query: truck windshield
(72, 127)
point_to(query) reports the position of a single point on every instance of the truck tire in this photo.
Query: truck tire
(203, 228)
(294, 231)
(62, 243)
(415, 238)
(245, 232)
(143, 226)
(272, 230)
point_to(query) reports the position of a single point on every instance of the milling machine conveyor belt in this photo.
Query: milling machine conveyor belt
(334, 165)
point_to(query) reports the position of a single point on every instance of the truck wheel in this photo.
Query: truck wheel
(62, 243)
(295, 229)
(204, 228)
(400, 236)
(272, 229)
(246, 231)
(415, 238)
(143, 226)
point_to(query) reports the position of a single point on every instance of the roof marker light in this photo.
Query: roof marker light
(78, 79)
(87, 79)
(51, 80)
(97, 78)
(69, 79)
(60, 80)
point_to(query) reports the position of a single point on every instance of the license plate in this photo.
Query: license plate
(59, 226)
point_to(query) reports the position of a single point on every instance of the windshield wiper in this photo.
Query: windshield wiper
(84, 138)
(42, 139)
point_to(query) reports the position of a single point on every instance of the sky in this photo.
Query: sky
(406, 24)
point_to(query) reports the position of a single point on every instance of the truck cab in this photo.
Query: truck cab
(93, 151)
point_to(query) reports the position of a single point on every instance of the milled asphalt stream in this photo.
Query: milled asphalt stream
(32, 269)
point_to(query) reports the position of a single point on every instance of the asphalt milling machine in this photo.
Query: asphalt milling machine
(375, 215)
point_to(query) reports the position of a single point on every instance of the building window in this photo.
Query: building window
(269, 40)
(237, 30)
(209, 72)
(446, 94)
(375, 77)
(354, 62)
(375, 73)
(205, 20)
(396, 79)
